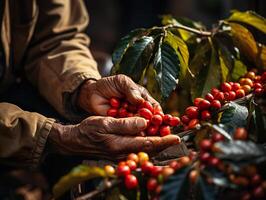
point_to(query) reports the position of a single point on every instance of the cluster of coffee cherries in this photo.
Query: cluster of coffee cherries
(158, 122)
(204, 108)
(247, 178)
(154, 175)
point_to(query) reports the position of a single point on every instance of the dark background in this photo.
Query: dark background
(112, 19)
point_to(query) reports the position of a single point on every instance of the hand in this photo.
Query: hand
(107, 137)
(94, 95)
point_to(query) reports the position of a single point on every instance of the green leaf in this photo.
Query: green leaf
(124, 43)
(152, 85)
(136, 58)
(76, 175)
(181, 50)
(208, 72)
(177, 186)
(167, 65)
(224, 68)
(234, 116)
(238, 71)
(208, 192)
(250, 18)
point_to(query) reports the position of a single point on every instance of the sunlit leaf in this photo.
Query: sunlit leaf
(238, 71)
(77, 175)
(250, 18)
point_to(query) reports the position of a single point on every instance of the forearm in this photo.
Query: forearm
(23, 135)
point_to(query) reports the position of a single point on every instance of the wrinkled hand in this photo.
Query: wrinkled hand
(94, 95)
(107, 137)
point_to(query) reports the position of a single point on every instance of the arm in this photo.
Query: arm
(58, 59)
(22, 135)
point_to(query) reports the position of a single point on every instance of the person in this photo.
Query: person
(43, 42)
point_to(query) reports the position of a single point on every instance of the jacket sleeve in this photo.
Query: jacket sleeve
(58, 59)
(22, 135)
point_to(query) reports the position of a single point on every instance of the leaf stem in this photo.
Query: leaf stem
(192, 30)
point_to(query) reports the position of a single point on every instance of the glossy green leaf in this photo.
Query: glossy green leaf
(124, 43)
(238, 71)
(152, 85)
(136, 58)
(250, 18)
(167, 66)
(77, 175)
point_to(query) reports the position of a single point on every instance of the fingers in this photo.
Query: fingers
(125, 126)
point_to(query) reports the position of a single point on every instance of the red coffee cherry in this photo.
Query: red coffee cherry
(192, 112)
(132, 164)
(166, 119)
(184, 161)
(240, 134)
(133, 157)
(219, 96)
(132, 108)
(205, 156)
(175, 165)
(213, 161)
(214, 91)
(258, 91)
(152, 184)
(185, 119)
(112, 112)
(164, 130)
(131, 181)
(197, 101)
(204, 105)
(226, 87)
(156, 170)
(122, 112)
(206, 144)
(157, 120)
(256, 180)
(258, 192)
(217, 137)
(125, 105)
(257, 85)
(236, 86)
(144, 112)
(152, 130)
(193, 123)
(263, 78)
(246, 81)
(114, 102)
(232, 96)
(240, 93)
(147, 167)
(123, 170)
(216, 104)
(205, 115)
(209, 97)
(174, 121)
(246, 88)
(147, 105)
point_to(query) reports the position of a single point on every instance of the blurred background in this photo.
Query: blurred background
(112, 19)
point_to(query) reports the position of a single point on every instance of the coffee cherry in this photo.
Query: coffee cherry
(152, 130)
(214, 91)
(157, 120)
(226, 87)
(174, 121)
(132, 108)
(246, 88)
(240, 93)
(125, 105)
(114, 102)
(185, 119)
(240, 134)
(146, 167)
(257, 85)
(245, 196)
(204, 105)
(184, 161)
(132, 164)
(246, 81)
(156, 170)
(205, 115)
(152, 184)
(147, 105)
(164, 130)
(144, 112)
(206, 144)
(204, 157)
(122, 163)
(143, 157)
(257, 79)
(192, 112)
(258, 192)
(123, 170)
(232, 96)
(131, 181)
(133, 157)
(193, 176)
(219, 96)
(193, 123)
(112, 112)
(216, 104)
(263, 78)
(250, 75)
(175, 165)
(256, 179)
(236, 86)
(109, 170)
(209, 97)
(122, 112)
(166, 118)
(192, 155)
(197, 100)
(217, 137)
(258, 91)
(167, 171)
(213, 161)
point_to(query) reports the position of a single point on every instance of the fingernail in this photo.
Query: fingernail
(141, 123)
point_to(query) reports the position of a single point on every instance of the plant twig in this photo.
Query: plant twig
(192, 30)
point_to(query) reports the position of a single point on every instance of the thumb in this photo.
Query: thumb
(126, 126)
